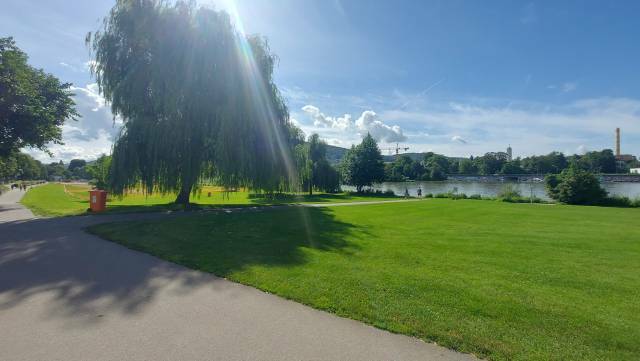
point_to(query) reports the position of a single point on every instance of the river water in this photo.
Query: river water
(491, 189)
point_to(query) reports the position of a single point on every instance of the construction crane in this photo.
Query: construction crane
(397, 149)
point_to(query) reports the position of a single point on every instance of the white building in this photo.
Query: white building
(634, 170)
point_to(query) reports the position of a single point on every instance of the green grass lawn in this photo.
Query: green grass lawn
(58, 199)
(503, 281)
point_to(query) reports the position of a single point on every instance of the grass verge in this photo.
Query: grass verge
(504, 281)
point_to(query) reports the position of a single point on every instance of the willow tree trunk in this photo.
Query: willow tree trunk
(183, 195)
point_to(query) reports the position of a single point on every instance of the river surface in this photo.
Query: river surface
(491, 189)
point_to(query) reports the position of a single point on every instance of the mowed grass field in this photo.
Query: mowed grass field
(63, 199)
(503, 281)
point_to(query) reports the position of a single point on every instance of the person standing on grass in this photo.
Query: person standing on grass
(406, 192)
(419, 192)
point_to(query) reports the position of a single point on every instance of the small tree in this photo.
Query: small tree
(575, 186)
(362, 165)
(99, 171)
(314, 171)
(325, 177)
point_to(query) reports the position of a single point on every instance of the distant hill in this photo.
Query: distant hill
(413, 156)
(335, 155)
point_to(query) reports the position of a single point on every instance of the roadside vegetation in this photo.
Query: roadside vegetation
(503, 281)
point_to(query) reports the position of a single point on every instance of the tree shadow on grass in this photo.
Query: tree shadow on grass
(313, 198)
(82, 276)
(228, 241)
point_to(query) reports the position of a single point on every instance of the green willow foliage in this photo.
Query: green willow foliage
(197, 99)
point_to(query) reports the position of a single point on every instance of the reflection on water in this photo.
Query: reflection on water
(491, 189)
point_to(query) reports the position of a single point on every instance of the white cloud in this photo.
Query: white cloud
(90, 135)
(530, 128)
(368, 122)
(321, 120)
(459, 139)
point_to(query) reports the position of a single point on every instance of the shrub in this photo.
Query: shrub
(475, 196)
(457, 196)
(509, 193)
(616, 201)
(428, 195)
(620, 201)
(373, 192)
(575, 186)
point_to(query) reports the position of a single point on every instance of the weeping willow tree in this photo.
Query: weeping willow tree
(197, 99)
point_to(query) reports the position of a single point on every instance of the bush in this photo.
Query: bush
(428, 195)
(475, 196)
(616, 201)
(373, 192)
(575, 186)
(620, 201)
(509, 193)
(457, 196)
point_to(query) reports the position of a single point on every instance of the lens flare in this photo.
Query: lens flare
(260, 93)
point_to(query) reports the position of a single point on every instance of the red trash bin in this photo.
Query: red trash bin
(97, 200)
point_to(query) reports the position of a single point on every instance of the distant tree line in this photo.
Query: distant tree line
(435, 166)
(22, 166)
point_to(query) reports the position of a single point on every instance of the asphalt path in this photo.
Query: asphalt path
(69, 295)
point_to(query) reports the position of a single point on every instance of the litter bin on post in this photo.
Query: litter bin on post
(97, 200)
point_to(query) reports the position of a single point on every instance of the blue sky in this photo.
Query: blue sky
(455, 77)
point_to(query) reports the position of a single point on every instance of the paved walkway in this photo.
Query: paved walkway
(10, 209)
(67, 295)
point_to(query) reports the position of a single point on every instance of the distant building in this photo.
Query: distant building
(617, 142)
(622, 158)
(634, 170)
(509, 153)
(626, 158)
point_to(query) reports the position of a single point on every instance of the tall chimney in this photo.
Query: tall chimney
(617, 142)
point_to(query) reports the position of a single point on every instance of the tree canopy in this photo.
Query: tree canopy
(33, 104)
(197, 99)
(99, 171)
(21, 166)
(362, 164)
(575, 186)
